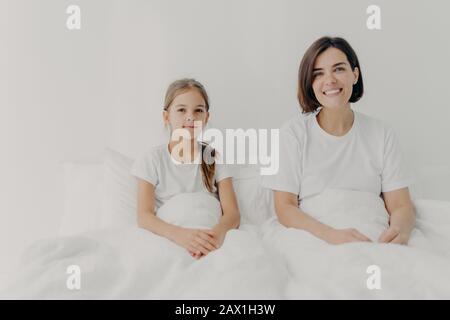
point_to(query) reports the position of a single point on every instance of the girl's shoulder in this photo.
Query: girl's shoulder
(155, 154)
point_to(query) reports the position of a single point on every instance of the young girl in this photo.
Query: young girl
(180, 167)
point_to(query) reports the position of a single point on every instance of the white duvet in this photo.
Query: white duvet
(255, 262)
(133, 263)
(318, 270)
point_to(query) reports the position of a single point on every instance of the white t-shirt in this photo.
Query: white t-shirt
(367, 158)
(170, 177)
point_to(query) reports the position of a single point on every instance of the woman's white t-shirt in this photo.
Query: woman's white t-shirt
(367, 158)
(170, 177)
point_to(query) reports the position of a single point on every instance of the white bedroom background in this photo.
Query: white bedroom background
(66, 95)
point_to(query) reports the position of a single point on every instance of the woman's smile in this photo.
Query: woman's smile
(332, 92)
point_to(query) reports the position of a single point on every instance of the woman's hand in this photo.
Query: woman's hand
(340, 236)
(394, 234)
(198, 242)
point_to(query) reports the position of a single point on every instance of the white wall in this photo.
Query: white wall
(71, 93)
(55, 109)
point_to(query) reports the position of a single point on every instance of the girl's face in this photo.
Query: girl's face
(188, 112)
(333, 78)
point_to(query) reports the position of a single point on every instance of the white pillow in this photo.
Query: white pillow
(105, 195)
(431, 182)
(255, 202)
(83, 184)
(120, 195)
(119, 200)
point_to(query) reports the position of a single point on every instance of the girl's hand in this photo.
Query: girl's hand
(394, 234)
(198, 242)
(218, 235)
(340, 236)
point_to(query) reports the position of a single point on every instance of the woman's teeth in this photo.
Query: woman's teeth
(332, 92)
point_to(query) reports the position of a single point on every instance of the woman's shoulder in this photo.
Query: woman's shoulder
(297, 125)
(371, 123)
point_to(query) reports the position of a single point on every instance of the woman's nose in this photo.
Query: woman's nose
(330, 78)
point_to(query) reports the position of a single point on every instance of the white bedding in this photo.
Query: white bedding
(321, 271)
(255, 262)
(132, 263)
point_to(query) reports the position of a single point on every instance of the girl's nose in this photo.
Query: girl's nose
(189, 117)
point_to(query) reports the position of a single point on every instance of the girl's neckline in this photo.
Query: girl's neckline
(175, 161)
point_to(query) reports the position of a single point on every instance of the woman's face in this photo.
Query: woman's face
(188, 112)
(333, 78)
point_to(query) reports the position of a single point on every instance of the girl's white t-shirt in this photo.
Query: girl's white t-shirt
(170, 177)
(367, 158)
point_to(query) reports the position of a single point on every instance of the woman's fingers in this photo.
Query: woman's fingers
(399, 239)
(388, 235)
(360, 236)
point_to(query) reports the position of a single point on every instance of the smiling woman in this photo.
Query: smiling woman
(333, 147)
(329, 64)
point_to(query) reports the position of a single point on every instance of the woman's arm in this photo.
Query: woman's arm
(402, 216)
(291, 216)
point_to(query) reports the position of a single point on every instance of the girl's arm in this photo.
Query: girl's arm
(148, 220)
(402, 216)
(291, 216)
(231, 217)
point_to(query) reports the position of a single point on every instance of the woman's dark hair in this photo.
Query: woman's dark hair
(305, 94)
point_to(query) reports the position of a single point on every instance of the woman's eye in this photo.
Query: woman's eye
(180, 110)
(315, 75)
(340, 69)
(199, 110)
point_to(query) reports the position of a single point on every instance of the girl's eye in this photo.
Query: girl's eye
(340, 69)
(180, 110)
(317, 74)
(199, 110)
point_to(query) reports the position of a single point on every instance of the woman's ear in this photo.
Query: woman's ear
(356, 73)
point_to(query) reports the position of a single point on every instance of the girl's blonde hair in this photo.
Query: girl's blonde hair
(179, 87)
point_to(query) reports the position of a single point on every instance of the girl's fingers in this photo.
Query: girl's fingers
(208, 245)
(193, 249)
(200, 248)
(210, 232)
(210, 239)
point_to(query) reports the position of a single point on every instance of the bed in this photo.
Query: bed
(101, 254)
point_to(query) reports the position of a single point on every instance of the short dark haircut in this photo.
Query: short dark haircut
(305, 94)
